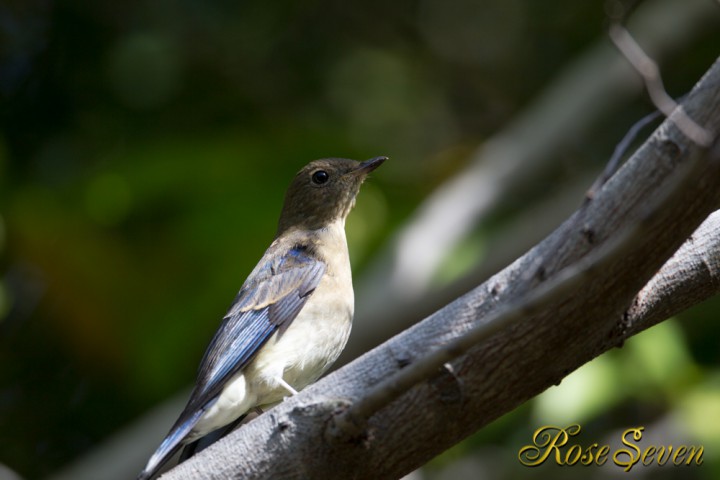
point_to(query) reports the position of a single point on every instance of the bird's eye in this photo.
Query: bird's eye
(320, 177)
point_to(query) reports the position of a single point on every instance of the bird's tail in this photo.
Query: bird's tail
(212, 437)
(170, 445)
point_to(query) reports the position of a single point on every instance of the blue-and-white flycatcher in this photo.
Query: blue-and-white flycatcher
(292, 316)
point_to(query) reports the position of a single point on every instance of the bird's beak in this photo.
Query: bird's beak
(368, 166)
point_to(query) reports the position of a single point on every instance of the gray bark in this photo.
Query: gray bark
(396, 288)
(523, 358)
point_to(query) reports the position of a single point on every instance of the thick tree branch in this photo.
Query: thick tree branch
(589, 89)
(514, 364)
(689, 277)
(509, 315)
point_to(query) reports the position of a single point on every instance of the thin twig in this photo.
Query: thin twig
(620, 149)
(650, 73)
(614, 163)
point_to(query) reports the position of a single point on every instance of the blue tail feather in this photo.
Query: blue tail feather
(170, 445)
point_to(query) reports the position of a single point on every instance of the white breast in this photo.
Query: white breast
(317, 336)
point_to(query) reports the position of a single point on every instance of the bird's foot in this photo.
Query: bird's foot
(286, 385)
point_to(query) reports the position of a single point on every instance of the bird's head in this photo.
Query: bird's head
(324, 191)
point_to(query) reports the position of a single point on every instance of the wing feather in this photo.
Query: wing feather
(273, 299)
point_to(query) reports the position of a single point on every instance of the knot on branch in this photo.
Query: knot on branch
(344, 426)
(448, 385)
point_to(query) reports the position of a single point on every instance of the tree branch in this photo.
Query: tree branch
(553, 290)
(689, 277)
(518, 361)
(585, 91)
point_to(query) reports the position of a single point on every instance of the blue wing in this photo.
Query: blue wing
(270, 299)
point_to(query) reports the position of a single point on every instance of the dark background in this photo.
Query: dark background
(144, 150)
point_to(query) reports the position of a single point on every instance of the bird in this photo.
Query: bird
(291, 318)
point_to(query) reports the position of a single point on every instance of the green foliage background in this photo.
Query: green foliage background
(145, 148)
